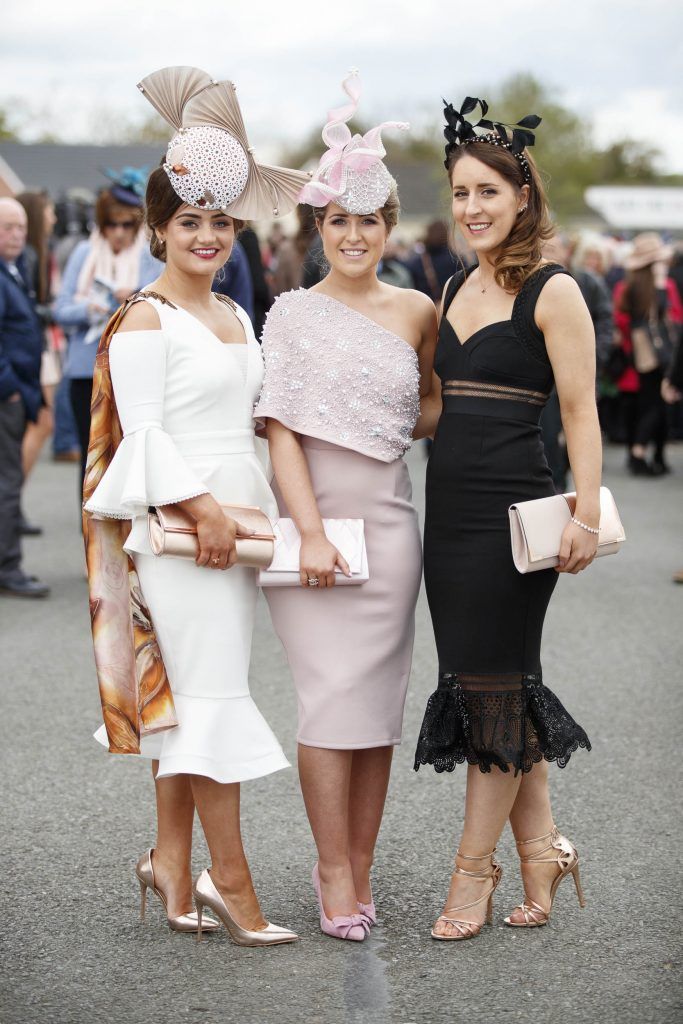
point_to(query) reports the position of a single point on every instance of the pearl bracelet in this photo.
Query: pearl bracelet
(584, 526)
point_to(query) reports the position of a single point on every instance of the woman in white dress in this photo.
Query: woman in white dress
(185, 370)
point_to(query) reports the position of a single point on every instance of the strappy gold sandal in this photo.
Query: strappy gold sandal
(567, 860)
(470, 929)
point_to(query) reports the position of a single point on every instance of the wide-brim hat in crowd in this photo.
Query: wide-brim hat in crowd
(646, 249)
(351, 173)
(209, 161)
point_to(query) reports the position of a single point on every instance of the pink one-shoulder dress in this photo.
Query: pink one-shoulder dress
(350, 389)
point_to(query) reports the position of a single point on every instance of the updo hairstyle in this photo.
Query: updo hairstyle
(161, 203)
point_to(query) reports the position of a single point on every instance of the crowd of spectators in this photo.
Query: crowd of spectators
(65, 266)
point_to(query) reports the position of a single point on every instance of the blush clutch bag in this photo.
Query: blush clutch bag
(347, 535)
(173, 532)
(536, 529)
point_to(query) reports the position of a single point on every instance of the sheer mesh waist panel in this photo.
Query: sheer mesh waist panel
(485, 399)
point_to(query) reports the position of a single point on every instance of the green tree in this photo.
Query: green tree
(7, 132)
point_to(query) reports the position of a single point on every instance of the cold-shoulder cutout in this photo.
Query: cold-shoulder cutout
(141, 316)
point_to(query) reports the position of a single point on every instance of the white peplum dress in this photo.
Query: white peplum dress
(185, 402)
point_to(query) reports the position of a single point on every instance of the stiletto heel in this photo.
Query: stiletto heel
(207, 895)
(353, 927)
(577, 883)
(567, 861)
(143, 898)
(200, 907)
(470, 929)
(185, 922)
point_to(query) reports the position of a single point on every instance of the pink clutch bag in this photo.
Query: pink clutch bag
(536, 529)
(173, 532)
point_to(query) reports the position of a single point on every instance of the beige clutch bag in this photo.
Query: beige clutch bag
(536, 529)
(173, 532)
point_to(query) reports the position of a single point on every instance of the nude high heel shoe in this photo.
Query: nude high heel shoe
(470, 929)
(186, 922)
(567, 860)
(207, 895)
(353, 927)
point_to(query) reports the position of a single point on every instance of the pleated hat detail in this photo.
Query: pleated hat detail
(209, 161)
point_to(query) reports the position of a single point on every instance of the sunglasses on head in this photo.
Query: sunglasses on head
(128, 225)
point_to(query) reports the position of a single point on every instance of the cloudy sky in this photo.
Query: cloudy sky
(74, 64)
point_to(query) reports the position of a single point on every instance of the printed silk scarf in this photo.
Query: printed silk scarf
(134, 688)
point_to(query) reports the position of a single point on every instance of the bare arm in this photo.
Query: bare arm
(562, 315)
(430, 396)
(318, 557)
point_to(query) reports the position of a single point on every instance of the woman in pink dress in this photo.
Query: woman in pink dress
(346, 363)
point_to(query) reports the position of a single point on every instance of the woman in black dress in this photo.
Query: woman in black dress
(509, 329)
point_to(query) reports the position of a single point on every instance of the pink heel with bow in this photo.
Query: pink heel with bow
(352, 927)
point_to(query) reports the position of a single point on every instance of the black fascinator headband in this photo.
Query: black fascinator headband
(515, 138)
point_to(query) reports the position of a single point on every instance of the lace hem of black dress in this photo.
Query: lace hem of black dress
(498, 724)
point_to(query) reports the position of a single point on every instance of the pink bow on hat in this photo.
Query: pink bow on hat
(346, 153)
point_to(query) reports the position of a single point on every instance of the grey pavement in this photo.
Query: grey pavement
(75, 820)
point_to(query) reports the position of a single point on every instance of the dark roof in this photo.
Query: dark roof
(422, 187)
(59, 168)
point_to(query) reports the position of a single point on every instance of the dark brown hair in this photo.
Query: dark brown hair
(108, 206)
(639, 295)
(161, 202)
(520, 253)
(35, 204)
(389, 211)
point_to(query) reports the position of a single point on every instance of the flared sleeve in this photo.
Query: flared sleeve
(147, 468)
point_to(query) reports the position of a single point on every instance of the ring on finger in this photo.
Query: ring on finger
(313, 581)
(215, 561)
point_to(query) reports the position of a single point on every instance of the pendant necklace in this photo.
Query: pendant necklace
(483, 290)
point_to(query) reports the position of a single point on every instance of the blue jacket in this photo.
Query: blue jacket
(21, 341)
(72, 313)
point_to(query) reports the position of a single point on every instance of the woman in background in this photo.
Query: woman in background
(649, 313)
(100, 274)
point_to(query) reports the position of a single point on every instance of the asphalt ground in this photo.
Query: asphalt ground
(75, 820)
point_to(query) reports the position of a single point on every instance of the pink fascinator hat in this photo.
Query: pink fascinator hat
(351, 173)
(209, 161)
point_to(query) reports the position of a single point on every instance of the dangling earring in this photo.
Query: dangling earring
(220, 276)
(522, 209)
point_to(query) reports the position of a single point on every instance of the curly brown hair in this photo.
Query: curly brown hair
(161, 202)
(520, 253)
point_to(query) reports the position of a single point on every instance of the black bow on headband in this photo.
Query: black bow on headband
(459, 132)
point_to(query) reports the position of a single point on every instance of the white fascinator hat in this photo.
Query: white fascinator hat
(209, 161)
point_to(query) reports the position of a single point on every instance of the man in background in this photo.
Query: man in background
(21, 345)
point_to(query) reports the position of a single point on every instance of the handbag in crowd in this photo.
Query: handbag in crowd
(347, 535)
(173, 532)
(536, 529)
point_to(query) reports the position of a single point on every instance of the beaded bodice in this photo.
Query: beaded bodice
(334, 374)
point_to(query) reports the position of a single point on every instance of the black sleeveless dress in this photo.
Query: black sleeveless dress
(491, 707)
